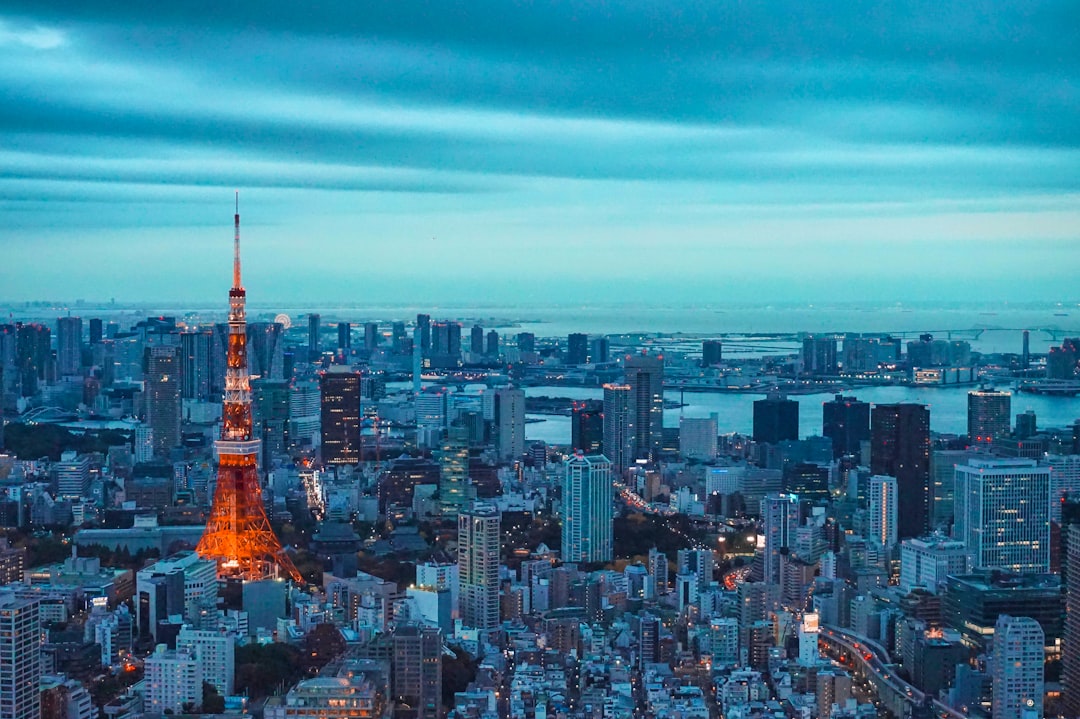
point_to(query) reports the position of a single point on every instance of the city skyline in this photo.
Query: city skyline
(430, 152)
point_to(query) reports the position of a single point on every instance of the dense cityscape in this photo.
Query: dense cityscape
(346, 518)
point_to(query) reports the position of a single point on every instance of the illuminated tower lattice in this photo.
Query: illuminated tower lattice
(238, 535)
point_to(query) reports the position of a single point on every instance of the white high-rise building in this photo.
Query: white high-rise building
(305, 412)
(1064, 479)
(780, 515)
(928, 562)
(20, 657)
(588, 514)
(697, 438)
(881, 527)
(68, 346)
(172, 679)
(1017, 669)
(440, 576)
(510, 423)
(144, 443)
(618, 427)
(1003, 514)
(73, 475)
(214, 650)
(479, 555)
(157, 596)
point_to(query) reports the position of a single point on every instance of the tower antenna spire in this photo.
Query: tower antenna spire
(236, 244)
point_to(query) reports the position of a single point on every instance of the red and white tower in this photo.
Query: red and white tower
(238, 535)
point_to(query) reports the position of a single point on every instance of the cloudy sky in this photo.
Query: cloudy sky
(425, 150)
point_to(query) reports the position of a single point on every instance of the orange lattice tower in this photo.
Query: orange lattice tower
(238, 535)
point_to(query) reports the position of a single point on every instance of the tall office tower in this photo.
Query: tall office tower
(928, 562)
(20, 657)
(163, 403)
(1017, 669)
(943, 464)
(526, 341)
(648, 640)
(1070, 655)
(417, 679)
(344, 335)
(588, 514)
(1002, 511)
(900, 447)
(645, 376)
(587, 426)
(1025, 356)
(1064, 481)
(618, 418)
(266, 350)
(314, 335)
(196, 365)
(455, 491)
(478, 566)
(69, 346)
(32, 355)
(305, 413)
(780, 517)
(423, 324)
(658, 570)
(476, 340)
(698, 438)
(72, 475)
(96, 333)
(173, 679)
(882, 513)
(846, 421)
(371, 336)
(510, 423)
(397, 336)
(819, 356)
(491, 348)
(238, 534)
(577, 348)
(776, 418)
(270, 414)
(1027, 424)
(989, 414)
(214, 649)
(712, 352)
(340, 415)
(599, 350)
(698, 562)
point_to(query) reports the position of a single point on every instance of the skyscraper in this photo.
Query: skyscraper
(510, 423)
(340, 415)
(491, 348)
(476, 340)
(196, 365)
(698, 438)
(417, 678)
(68, 346)
(882, 512)
(163, 403)
(344, 335)
(1070, 654)
(989, 415)
(846, 421)
(712, 352)
(900, 447)
(1003, 514)
(577, 348)
(599, 350)
(455, 492)
(1017, 669)
(776, 418)
(588, 514)
(96, 333)
(819, 356)
(20, 657)
(423, 324)
(314, 332)
(587, 426)
(645, 376)
(618, 426)
(699, 563)
(478, 566)
(371, 336)
(780, 516)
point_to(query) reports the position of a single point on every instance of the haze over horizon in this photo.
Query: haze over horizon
(580, 152)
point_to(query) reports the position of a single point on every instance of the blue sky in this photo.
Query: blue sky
(519, 151)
